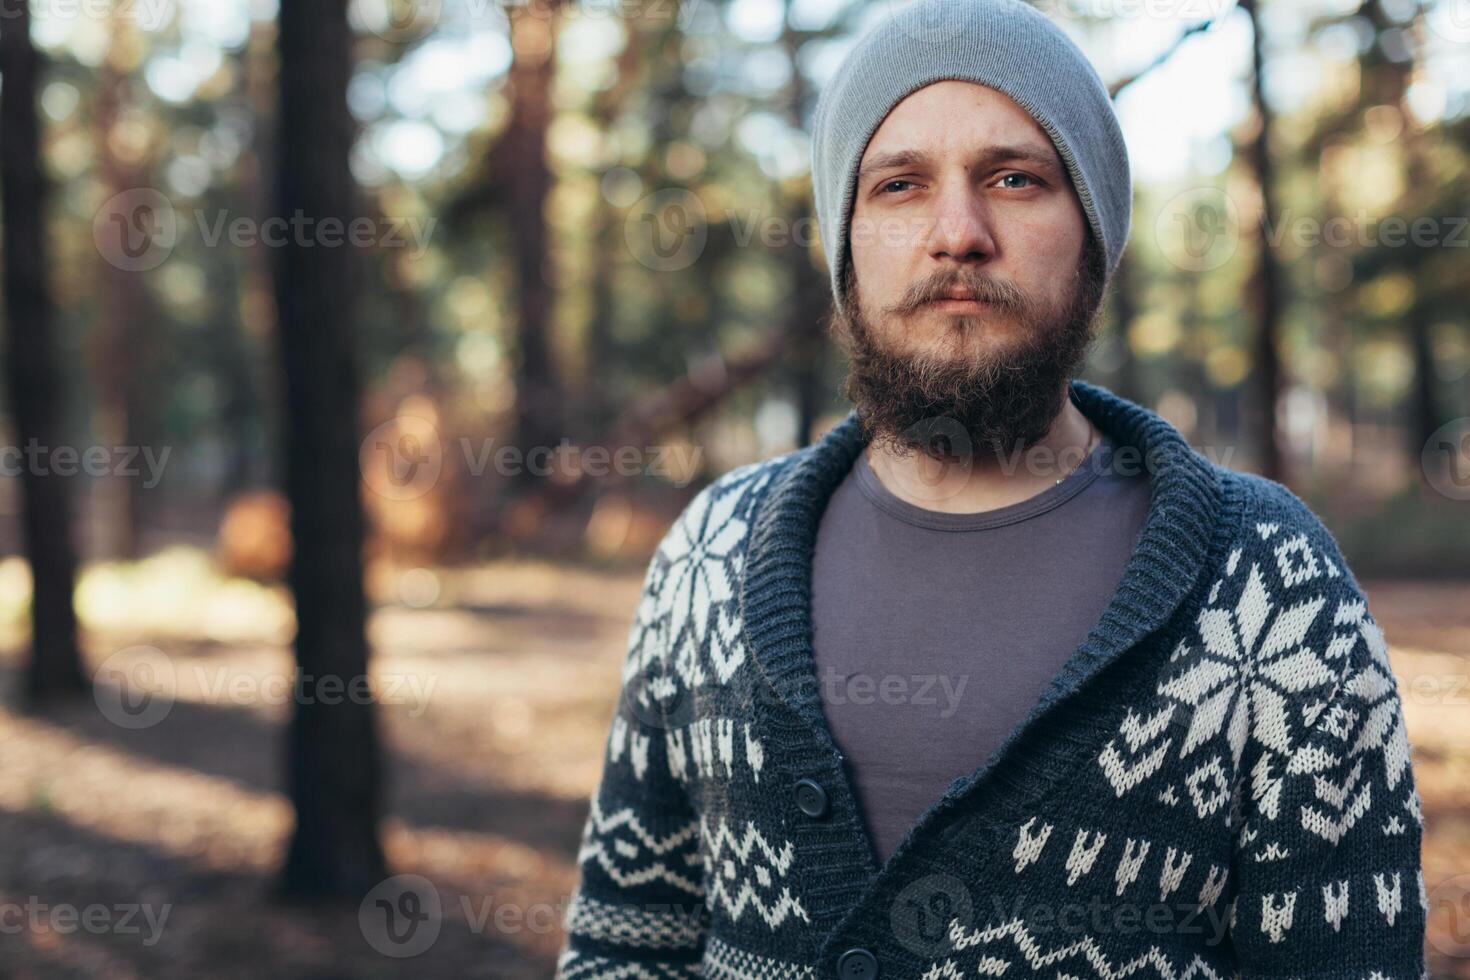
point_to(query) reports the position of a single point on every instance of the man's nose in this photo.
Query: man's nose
(962, 225)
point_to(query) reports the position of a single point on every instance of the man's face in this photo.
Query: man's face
(961, 194)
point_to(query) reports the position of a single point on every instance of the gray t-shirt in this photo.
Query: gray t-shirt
(934, 634)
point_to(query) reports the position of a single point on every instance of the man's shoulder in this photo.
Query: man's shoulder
(1276, 519)
(723, 512)
(1283, 590)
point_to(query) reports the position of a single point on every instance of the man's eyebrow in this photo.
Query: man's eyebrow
(888, 161)
(1044, 157)
(1027, 153)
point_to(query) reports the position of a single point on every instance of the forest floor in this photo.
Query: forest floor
(144, 843)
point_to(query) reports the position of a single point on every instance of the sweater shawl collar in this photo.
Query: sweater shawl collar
(1186, 520)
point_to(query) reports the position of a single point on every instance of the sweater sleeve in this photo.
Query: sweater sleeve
(1327, 873)
(638, 910)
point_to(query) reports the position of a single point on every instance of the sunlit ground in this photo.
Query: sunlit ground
(497, 687)
(495, 709)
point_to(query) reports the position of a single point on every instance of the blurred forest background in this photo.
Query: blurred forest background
(292, 290)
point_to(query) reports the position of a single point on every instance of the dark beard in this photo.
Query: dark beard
(953, 407)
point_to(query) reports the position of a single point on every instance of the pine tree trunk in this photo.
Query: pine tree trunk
(1125, 311)
(121, 343)
(1265, 283)
(811, 293)
(333, 763)
(249, 405)
(539, 398)
(1424, 413)
(55, 667)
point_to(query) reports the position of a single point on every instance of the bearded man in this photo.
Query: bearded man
(1001, 676)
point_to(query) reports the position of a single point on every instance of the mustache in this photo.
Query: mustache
(1000, 293)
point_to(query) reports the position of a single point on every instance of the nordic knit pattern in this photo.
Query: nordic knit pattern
(1216, 784)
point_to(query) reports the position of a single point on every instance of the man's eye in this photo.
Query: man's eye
(890, 183)
(1025, 177)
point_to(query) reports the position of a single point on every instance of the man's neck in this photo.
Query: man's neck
(986, 481)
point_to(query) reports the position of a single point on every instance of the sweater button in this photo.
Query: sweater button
(811, 798)
(857, 964)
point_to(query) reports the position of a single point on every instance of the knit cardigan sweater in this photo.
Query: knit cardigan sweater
(1217, 783)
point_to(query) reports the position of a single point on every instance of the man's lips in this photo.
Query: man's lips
(958, 292)
(956, 298)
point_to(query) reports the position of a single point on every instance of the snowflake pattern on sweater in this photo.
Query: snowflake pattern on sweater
(1218, 783)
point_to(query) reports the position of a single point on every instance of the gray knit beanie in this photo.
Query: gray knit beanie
(1007, 45)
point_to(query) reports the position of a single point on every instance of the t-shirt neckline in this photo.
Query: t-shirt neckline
(1079, 479)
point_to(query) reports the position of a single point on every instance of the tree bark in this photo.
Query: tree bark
(1125, 311)
(333, 756)
(250, 405)
(1265, 284)
(811, 299)
(55, 668)
(1425, 416)
(539, 398)
(122, 349)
